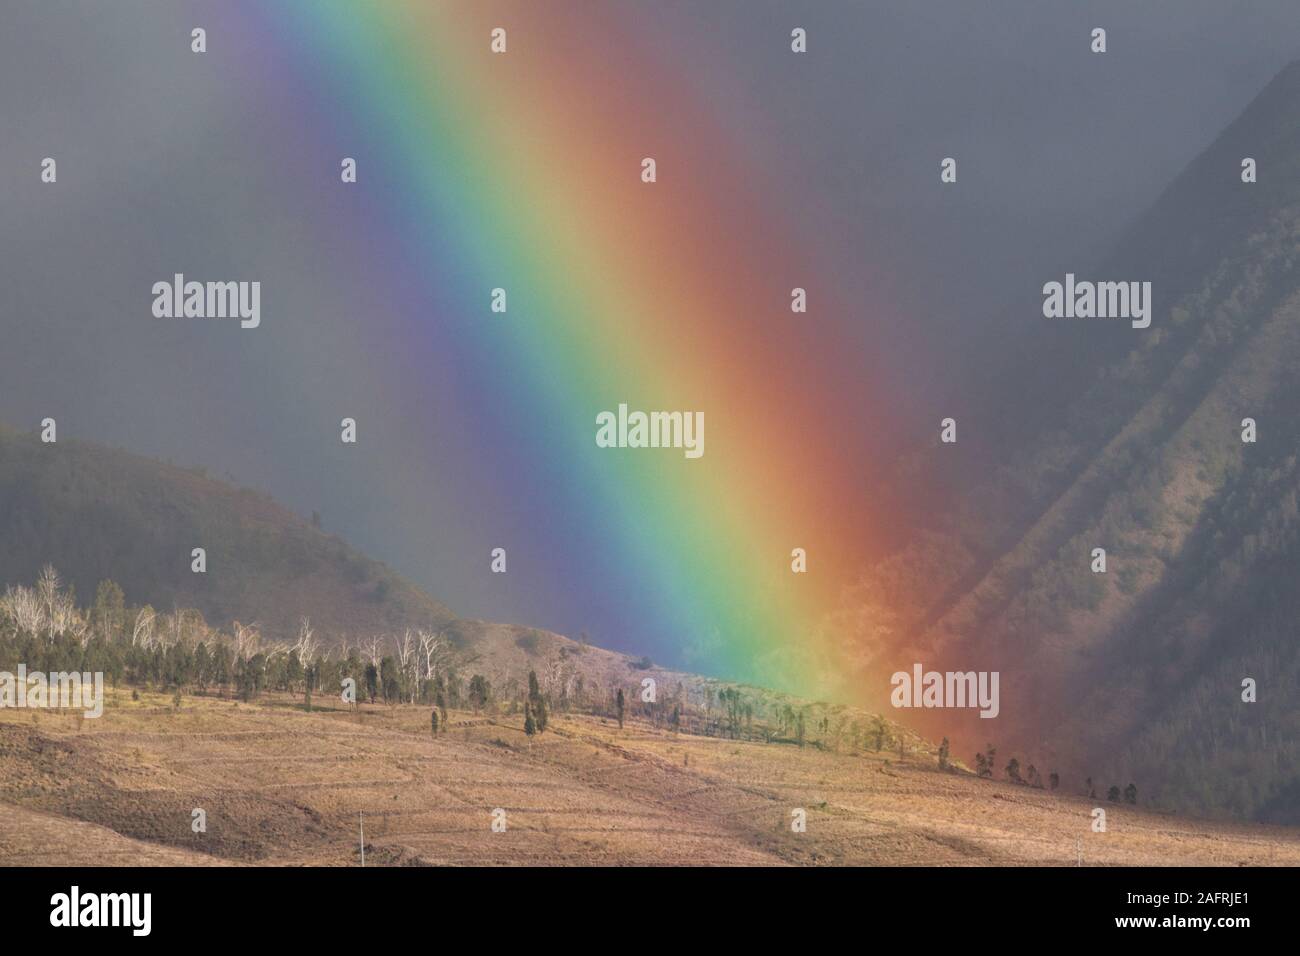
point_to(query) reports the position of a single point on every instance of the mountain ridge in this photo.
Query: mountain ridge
(1145, 459)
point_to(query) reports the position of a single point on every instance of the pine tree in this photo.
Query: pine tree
(621, 704)
(479, 692)
(536, 704)
(1013, 770)
(540, 715)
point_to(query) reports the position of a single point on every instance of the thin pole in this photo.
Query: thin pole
(363, 838)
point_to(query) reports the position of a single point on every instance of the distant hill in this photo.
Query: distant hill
(1130, 441)
(97, 513)
(100, 514)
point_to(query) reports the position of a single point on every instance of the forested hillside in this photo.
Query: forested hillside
(1132, 441)
(99, 514)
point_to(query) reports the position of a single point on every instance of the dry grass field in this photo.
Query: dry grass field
(283, 786)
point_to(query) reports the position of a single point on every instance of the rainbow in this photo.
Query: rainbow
(522, 171)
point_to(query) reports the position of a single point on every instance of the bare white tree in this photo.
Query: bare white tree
(339, 651)
(246, 640)
(59, 614)
(274, 649)
(162, 630)
(553, 678)
(306, 644)
(142, 629)
(65, 619)
(80, 629)
(571, 686)
(434, 651)
(406, 660)
(48, 587)
(372, 648)
(22, 606)
(404, 648)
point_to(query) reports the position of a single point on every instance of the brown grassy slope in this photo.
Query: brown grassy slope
(283, 786)
(506, 653)
(31, 838)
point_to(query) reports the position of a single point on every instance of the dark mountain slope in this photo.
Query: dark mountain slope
(96, 514)
(1134, 445)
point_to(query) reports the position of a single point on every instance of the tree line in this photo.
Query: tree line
(986, 764)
